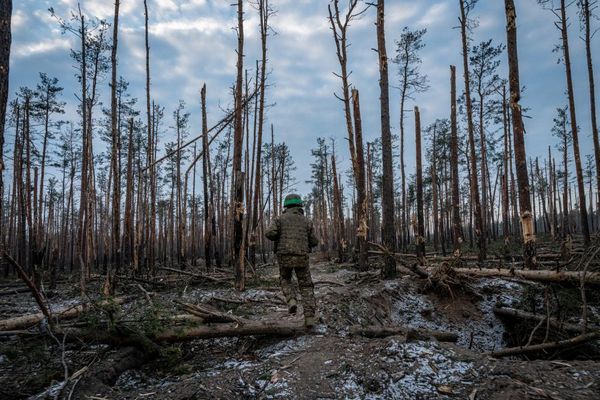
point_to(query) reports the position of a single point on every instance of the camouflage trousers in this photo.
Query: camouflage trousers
(288, 265)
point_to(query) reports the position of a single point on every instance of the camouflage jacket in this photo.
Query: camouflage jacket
(292, 233)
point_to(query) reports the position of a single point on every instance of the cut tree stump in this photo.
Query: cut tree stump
(574, 277)
(29, 320)
(376, 331)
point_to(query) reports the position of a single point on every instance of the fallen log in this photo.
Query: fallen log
(554, 323)
(207, 313)
(185, 333)
(29, 320)
(592, 278)
(575, 341)
(194, 275)
(376, 331)
(16, 290)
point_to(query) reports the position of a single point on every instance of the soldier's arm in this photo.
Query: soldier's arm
(273, 231)
(312, 238)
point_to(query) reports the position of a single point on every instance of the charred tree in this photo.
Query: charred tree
(5, 43)
(465, 7)
(238, 176)
(457, 234)
(420, 237)
(387, 186)
(518, 133)
(115, 147)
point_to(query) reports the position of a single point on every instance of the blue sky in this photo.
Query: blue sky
(192, 41)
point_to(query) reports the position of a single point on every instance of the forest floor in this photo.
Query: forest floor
(328, 363)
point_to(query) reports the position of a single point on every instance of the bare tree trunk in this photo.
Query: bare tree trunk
(479, 229)
(590, 68)
(505, 162)
(387, 195)
(5, 43)
(151, 155)
(434, 192)
(338, 214)
(457, 234)
(238, 176)
(264, 26)
(116, 173)
(519, 140)
(585, 230)
(362, 231)
(420, 239)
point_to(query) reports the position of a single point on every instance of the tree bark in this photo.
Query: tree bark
(116, 173)
(457, 234)
(590, 68)
(238, 178)
(420, 239)
(362, 231)
(479, 231)
(585, 230)
(5, 43)
(519, 139)
(387, 195)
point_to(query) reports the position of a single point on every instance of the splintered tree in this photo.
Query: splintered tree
(264, 12)
(412, 81)
(361, 195)
(518, 133)
(387, 185)
(238, 175)
(339, 26)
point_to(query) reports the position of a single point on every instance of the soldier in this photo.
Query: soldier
(294, 238)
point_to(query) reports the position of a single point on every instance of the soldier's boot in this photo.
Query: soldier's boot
(287, 287)
(308, 296)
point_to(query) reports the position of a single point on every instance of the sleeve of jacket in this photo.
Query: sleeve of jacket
(312, 238)
(274, 230)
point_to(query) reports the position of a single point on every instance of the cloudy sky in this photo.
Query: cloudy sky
(192, 42)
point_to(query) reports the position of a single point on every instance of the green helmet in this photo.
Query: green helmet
(292, 200)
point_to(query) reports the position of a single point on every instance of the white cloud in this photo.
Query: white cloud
(45, 46)
(19, 19)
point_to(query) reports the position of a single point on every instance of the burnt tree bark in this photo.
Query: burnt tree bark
(238, 175)
(115, 148)
(5, 42)
(387, 195)
(420, 239)
(457, 234)
(479, 231)
(518, 133)
(361, 196)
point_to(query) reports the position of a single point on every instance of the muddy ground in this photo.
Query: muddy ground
(328, 363)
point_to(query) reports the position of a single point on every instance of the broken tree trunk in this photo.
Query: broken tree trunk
(575, 341)
(553, 322)
(180, 334)
(374, 331)
(29, 320)
(592, 278)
